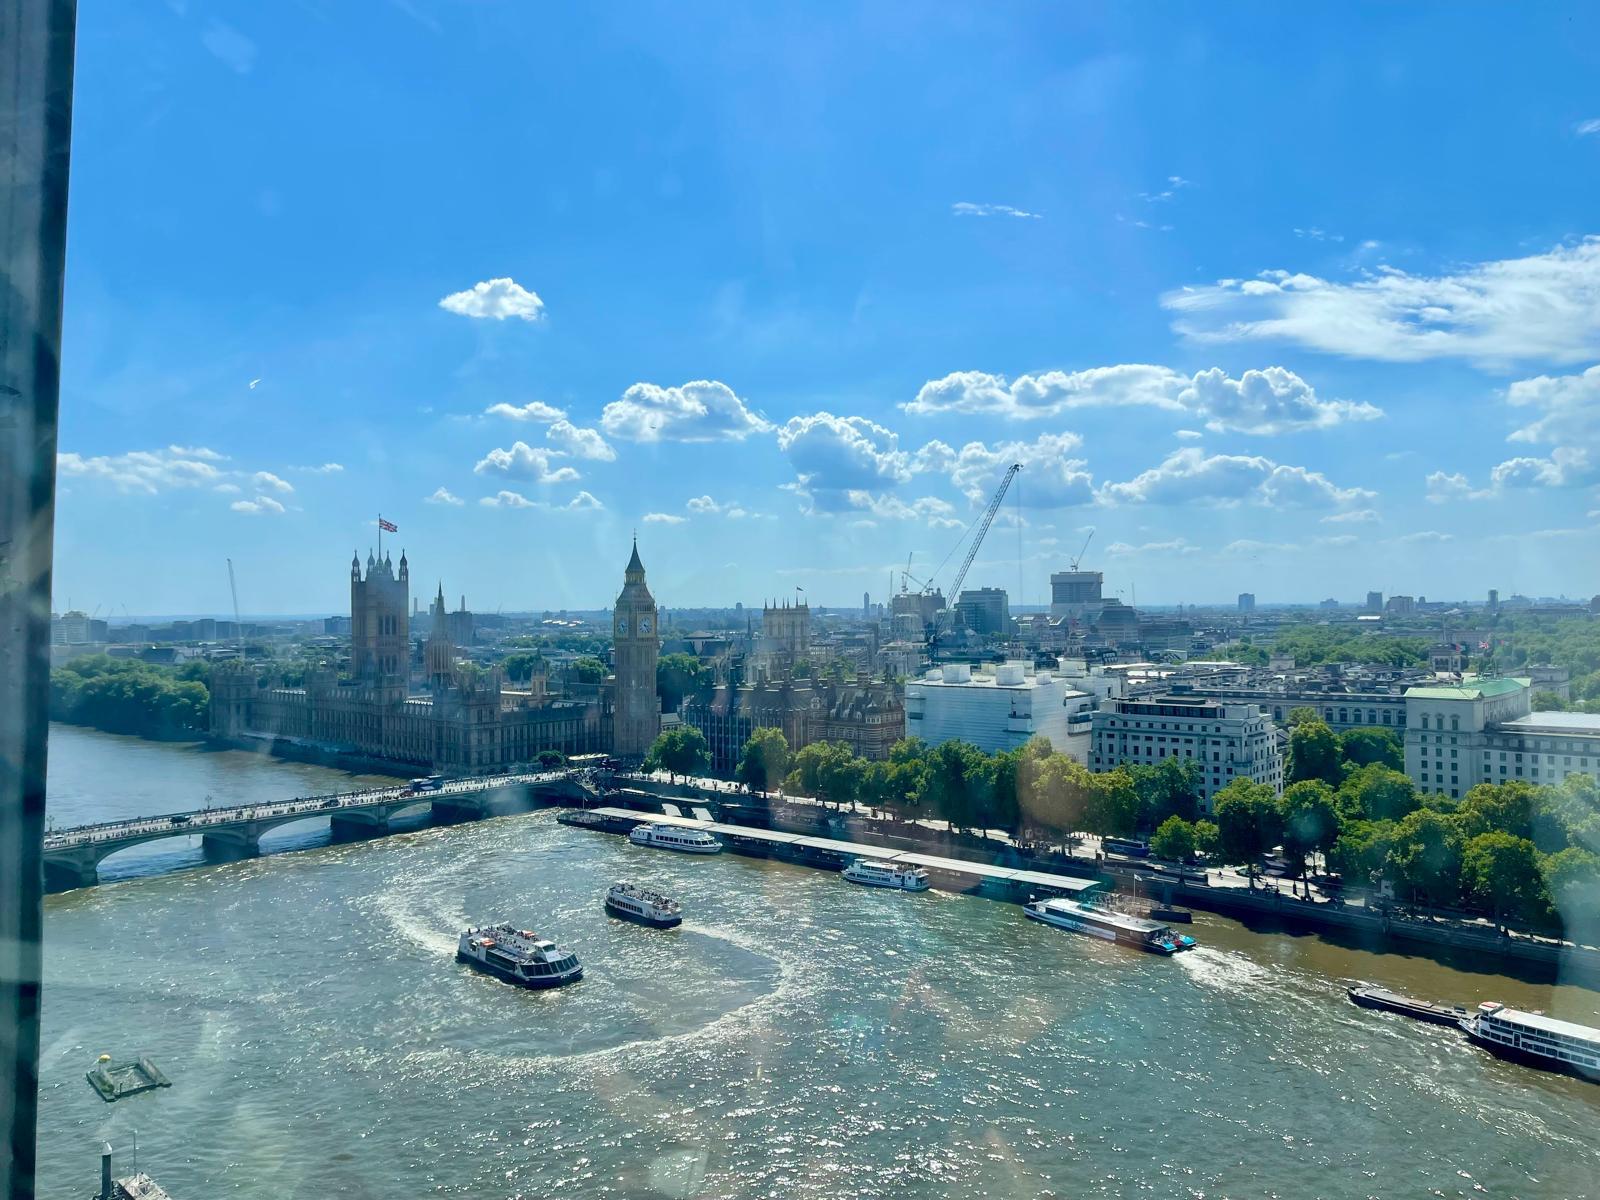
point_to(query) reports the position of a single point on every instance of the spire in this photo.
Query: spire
(635, 569)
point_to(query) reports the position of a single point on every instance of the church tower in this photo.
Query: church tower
(637, 646)
(439, 654)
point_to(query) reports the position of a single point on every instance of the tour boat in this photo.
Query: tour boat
(874, 873)
(1107, 924)
(671, 837)
(518, 956)
(644, 906)
(1536, 1040)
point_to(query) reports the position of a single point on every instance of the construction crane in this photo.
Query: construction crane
(238, 629)
(980, 530)
(1073, 563)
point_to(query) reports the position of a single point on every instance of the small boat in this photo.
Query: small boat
(1420, 1010)
(673, 837)
(1536, 1040)
(518, 956)
(643, 906)
(1108, 925)
(1180, 916)
(874, 873)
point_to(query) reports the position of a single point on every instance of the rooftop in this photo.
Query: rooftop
(1563, 722)
(1478, 689)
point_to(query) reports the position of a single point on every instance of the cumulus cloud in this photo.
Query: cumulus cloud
(523, 461)
(444, 496)
(1588, 128)
(582, 502)
(1051, 477)
(1568, 408)
(1270, 401)
(1190, 476)
(1356, 516)
(267, 481)
(659, 518)
(706, 506)
(1424, 537)
(260, 506)
(495, 299)
(831, 455)
(533, 410)
(505, 499)
(1444, 486)
(327, 468)
(700, 411)
(966, 209)
(148, 471)
(1544, 306)
(1567, 466)
(1173, 546)
(581, 443)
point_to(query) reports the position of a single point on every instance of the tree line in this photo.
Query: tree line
(125, 695)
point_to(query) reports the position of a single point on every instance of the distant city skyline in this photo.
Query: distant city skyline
(1263, 330)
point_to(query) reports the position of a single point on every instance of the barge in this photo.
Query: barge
(1535, 1040)
(1418, 1010)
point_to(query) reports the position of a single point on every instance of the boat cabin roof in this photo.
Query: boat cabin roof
(1554, 1025)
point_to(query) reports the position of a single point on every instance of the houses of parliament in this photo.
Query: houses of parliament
(465, 719)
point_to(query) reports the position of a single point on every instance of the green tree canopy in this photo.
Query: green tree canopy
(550, 759)
(1501, 872)
(1363, 747)
(681, 677)
(1113, 804)
(1248, 822)
(1300, 714)
(1377, 793)
(1572, 880)
(1310, 821)
(681, 750)
(588, 670)
(1362, 850)
(1508, 807)
(1426, 855)
(764, 760)
(1173, 839)
(1314, 754)
(1207, 838)
(124, 695)
(1168, 788)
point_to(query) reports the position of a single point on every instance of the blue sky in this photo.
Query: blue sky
(1301, 303)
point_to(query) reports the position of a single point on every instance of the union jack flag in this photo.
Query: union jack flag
(388, 526)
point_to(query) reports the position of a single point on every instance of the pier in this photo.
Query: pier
(72, 856)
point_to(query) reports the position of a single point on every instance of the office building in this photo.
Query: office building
(1229, 740)
(1074, 594)
(1374, 602)
(1247, 602)
(984, 610)
(999, 710)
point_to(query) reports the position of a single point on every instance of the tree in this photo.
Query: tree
(954, 773)
(680, 750)
(1313, 754)
(1508, 807)
(1310, 821)
(1207, 838)
(587, 670)
(1302, 713)
(764, 760)
(828, 771)
(680, 677)
(1112, 809)
(1057, 803)
(1170, 787)
(1501, 872)
(1174, 839)
(1362, 850)
(1548, 702)
(1572, 879)
(550, 759)
(523, 665)
(1377, 793)
(1426, 855)
(1248, 823)
(1363, 747)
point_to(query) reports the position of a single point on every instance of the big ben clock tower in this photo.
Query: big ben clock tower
(636, 719)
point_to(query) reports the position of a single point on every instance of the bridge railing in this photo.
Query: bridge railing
(101, 831)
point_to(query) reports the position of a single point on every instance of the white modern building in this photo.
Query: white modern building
(998, 711)
(1230, 740)
(1483, 731)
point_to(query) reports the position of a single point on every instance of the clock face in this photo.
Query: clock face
(622, 626)
(644, 624)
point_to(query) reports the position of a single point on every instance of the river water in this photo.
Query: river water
(797, 1037)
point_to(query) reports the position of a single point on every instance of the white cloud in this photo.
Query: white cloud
(504, 499)
(1338, 539)
(1314, 234)
(1424, 537)
(935, 511)
(327, 468)
(533, 410)
(1252, 546)
(700, 411)
(230, 46)
(1445, 486)
(495, 299)
(260, 506)
(1357, 516)
(1270, 401)
(267, 481)
(581, 443)
(704, 504)
(1190, 476)
(583, 502)
(149, 471)
(523, 461)
(831, 455)
(1568, 408)
(444, 496)
(227, 489)
(1172, 546)
(966, 209)
(657, 518)
(1188, 435)
(1566, 467)
(1050, 478)
(1544, 306)
(1587, 128)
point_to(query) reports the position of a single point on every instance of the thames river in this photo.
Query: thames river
(797, 1037)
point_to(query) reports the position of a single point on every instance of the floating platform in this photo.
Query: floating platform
(1406, 1006)
(115, 1080)
(833, 854)
(1163, 912)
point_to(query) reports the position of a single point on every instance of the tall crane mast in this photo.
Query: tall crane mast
(981, 530)
(238, 629)
(1073, 563)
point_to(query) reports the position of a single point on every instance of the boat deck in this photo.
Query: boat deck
(947, 874)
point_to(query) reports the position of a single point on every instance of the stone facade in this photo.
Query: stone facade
(636, 648)
(866, 715)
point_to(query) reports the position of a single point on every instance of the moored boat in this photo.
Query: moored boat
(632, 903)
(1421, 1010)
(1536, 1040)
(673, 837)
(518, 956)
(1108, 925)
(874, 873)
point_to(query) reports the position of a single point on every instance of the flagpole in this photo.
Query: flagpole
(380, 537)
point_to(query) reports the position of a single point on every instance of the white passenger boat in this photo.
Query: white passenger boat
(518, 956)
(1107, 924)
(672, 837)
(1536, 1040)
(639, 904)
(873, 873)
